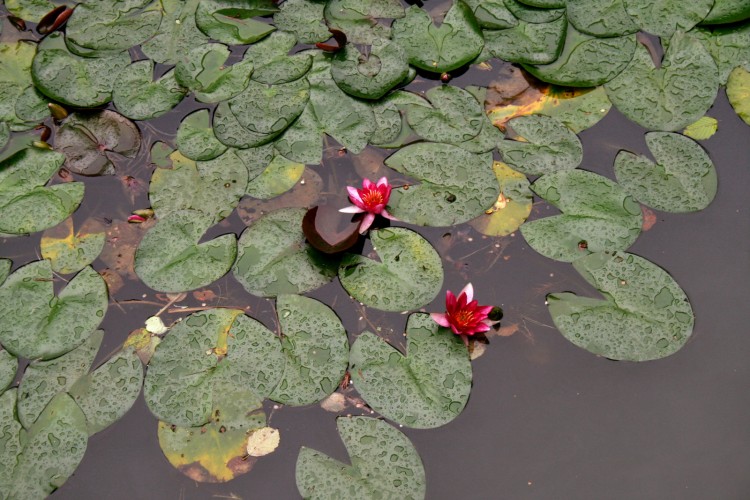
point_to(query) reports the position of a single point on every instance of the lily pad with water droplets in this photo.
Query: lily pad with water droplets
(673, 96)
(455, 115)
(738, 93)
(106, 28)
(665, 17)
(207, 360)
(68, 251)
(304, 19)
(358, 18)
(34, 323)
(15, 78)
(512, 207)
(533, 14)
(528, 43)
(10, 434)
(8, 368)
(316, 349)
(138, 97)
(384, 462)
(231, 22)
(29, 10)
(274, 257)
(683, 179)
(373, 76)
(492, 14)
(273, 64)
(107, 393)
(426, 388)
(644, 314)
(204, 71)
(408, 275)
(177, 34)
(268, 110)
(600, 18)
(729, 47)
(195, 137)
(277, 178)
(446, 194)
(545, 4)
(543, 145)
(728, 11)
(597, 215)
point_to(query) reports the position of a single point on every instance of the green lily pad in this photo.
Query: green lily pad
(107, 393)
(274, 257)
(729, 47)
(728, 11)
(231, 22)
(373, 76)
(34, 323)
(492, 14)
(100, 28)
(602, 18)
(196, 139)
(543, 145)
(357, 18)
(31, 108)
(408, 275)
(455, 115)
(50, 451)
(207, 357)
(230, 132)
(702, 129)
(304, 19)
(267, 110)
(512, 207)
(8, 368)
(392, 129)
(10, 434)
(256, 160)
(91, 142)
(644, 314)
(273, 64)
(586, 61)
(301, 141)
(43, 380)
(212, 187)
(666, 17)
(26, 205)
(446, 195)
(170, 259)
(455, 43)
(138, 97)
(277, 178)
(177, 34)
(316, 349)
(4, 134)
(545, 4)
(5, 265)
(528, 43)
(683, 179)
(29, 10)
(15, 79)
(738, 93)
(82, 82)
(68, 251)
(533, 14)
(671, 97)
(426, 388)
(384, 463)
(203, 71)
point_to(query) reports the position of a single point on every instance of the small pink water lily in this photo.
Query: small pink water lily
(463, 315)
(370, 200)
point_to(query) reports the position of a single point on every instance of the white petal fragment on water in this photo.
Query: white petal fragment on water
(263, 441)
(155, 325)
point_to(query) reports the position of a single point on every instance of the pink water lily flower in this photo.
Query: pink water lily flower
(370, 200)
(463, 315)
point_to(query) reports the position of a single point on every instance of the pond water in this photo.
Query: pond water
(545, 419)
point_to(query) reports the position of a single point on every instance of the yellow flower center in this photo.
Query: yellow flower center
(372, 198)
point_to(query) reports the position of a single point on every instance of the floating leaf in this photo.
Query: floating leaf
(446, 195)
(67, 251)
(144, 343)
(455, 43)
(138, 97)
(170, 259)
(206, 360)
(4, 134)
(729, 47)
(30, 10)
(15, 78)
(10, 434)
(665, 17)
(43, 380)
(304, 19)
(533, 14)
(586, 61)
(36, 324)
(455, 115)
(177, 33)
(683, 179)
(100, 28)
(384, 463)
(600, 18)
(528, 43)
(196, 139)
(301, 142)
(274, 258)
(8, 368)
(372, 76)
(597, 215)
(543, 145)
(357, 18)
(545, 4)
(738, 93)
(512, 207)
(702, 129)
(5, 265)
(82, 82)
(107, 393)
(408, 275)
(26, 206)
(231, 22)
(316, 349)
(492, 14)
(273, 64)
(277, 178)
(644, 315)
(427, 388)
(727, 11)
(671, 97)
(89, 141)
(263, 441)
(204, 71)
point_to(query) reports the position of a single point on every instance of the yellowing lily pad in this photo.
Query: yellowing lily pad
(67, 251)
(512, 207)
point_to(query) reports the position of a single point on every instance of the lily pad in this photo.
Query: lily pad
(82, 82)
(543, 145)
(43, 380)
(512, 207)
(600, 18)
(8, 368)
(36, 324)
(426, 388)
(92, 142)
(597, 215)
(533, 14)
(10, 435)
(738, 93)
(304, 19)
(68, 251)
(29, 10)
(683, 179)
(273, 64)
(729, 47)
(316, 349)
(195, 137)
(373, 76)
(274, 257)
(455, 115)
(301, 141)
(207, 360)
(492, 14)
(728, 11)
(230, 132)
(644, 314)
(138, 97)
(666, 17)
(26, 205)
(673, 96)
(204, 71)
(455, 43)
(384, 462)
(15, 78)
(358, 18)
(177, 33)
(267, 110)
(277, 178)
(107, 393)
(545, 4)
(445, 195)
(408, 275)
(231, 22)
(100, 28)
(528, 43)
(586, 61)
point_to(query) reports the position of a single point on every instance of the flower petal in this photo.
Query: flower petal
(352, 209)
(469, 291)
(383, 181)
(367, 184)
(440, 319)
(366, 223)
(385, 214)
(450, 301)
